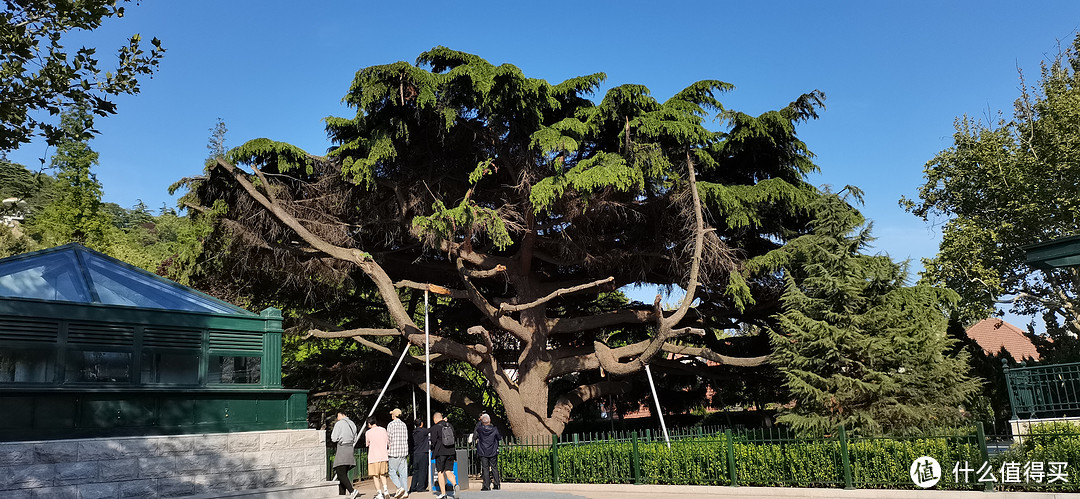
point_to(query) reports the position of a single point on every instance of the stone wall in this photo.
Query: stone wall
(161, 466)
(1022, 427)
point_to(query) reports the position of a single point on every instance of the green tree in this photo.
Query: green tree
(38, 74)
(14, 242)
(858, 347)
(76, 213)
(1003, 185)
(216, 143)
(16, 181)
(520, 204)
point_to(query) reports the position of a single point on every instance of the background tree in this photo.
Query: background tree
(857, 346)
(75, 214)
(38, 74)
(1004, 185)
(520, 205)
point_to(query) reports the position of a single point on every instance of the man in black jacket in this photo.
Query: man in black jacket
(421, 444)
(445, 455)
(487, 447)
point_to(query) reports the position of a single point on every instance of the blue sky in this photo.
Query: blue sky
(896, 74)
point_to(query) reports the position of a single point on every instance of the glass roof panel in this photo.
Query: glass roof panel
(131, 286)
(74, 273)
(55, 276)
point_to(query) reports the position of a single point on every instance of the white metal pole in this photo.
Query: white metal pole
(388, 380)
(427, 384)
(660, 413)
(383, 392)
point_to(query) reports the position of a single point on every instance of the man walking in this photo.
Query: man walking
(398, 453)
(420, 461)
(378, 443)
(487, 447)
(442, 447)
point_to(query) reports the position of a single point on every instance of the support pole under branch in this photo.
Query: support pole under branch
(656, 399)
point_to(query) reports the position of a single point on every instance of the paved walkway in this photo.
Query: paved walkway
(581, 491)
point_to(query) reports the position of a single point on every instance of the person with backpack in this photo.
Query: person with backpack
(487, 448)
(445, 453)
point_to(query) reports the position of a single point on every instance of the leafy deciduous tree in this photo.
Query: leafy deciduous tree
(1007, 184)
(37, 73)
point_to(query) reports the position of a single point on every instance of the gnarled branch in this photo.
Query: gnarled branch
(503, 308)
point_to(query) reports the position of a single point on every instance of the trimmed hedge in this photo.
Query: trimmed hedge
(781, 460)
(875, 463)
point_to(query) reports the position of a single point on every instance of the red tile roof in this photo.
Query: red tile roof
(992, 334)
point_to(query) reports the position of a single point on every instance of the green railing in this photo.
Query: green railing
(777, 458)
(1043, 391)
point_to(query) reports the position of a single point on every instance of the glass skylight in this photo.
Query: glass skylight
(73, 273)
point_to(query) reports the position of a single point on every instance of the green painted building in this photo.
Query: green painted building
(91, 346)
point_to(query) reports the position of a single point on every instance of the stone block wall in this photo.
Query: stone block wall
(161, 466)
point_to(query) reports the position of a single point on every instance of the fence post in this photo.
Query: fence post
(1008, 386)
(730, 457)
(846, 458)
(555, 459)
(980, 433)
(635, 458)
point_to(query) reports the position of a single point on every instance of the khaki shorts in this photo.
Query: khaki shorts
(378, 468)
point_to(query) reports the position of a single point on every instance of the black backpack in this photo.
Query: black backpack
(448, 439)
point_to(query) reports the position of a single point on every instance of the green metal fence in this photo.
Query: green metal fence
(1043, 390)
(778, 458)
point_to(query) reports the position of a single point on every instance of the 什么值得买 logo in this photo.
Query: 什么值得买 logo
(925, 472)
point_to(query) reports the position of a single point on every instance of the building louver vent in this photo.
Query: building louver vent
(99, 335)
(242, 342)
(172, 338)
(29, 331)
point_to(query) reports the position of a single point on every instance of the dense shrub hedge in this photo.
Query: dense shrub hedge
(782, 460)
(789, 462)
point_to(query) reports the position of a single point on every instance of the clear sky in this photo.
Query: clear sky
(896, 74)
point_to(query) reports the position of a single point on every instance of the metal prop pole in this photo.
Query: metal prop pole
(427, 378)
(383, 392)
(660, 413)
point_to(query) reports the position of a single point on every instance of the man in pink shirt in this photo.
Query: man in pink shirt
(378, 444)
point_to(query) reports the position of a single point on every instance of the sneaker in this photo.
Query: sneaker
(440, 496)
(386, 493)
(354, 494)
(398, 493)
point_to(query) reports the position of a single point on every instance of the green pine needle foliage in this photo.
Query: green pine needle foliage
(856, 345)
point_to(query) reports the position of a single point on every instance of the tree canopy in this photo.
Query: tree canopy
(39, 75)
(1005, 184)
(520, 204)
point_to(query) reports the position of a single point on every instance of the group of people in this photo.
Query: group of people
(388, 453)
